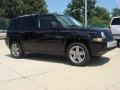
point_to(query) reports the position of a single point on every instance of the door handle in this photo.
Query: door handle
(40, 32)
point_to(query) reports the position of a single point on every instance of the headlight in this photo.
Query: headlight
(103, 35)
(97, 39)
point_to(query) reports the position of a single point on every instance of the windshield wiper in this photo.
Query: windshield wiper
(74, 26)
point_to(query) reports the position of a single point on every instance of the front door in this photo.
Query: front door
(50, 38)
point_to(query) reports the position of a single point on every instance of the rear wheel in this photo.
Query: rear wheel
(16, 50)
(78, 54)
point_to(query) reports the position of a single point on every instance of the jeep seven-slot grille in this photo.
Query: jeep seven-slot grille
(109, 36)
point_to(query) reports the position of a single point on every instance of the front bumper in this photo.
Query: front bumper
(111, 44)
(116, 36)
(98, 49)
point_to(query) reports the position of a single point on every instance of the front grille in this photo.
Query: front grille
(109, 36)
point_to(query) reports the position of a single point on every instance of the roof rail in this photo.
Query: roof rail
(28, 15)
(37, 14)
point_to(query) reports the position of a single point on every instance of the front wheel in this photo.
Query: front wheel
(16, 50)
(78, 54)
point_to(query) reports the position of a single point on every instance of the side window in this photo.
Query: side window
(29, 23)
(46, 22)
(11, 25)
(116, 21)
(14, 25)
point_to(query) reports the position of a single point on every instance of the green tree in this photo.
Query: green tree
(4, 24)
(97, 16)
(14, 8)
(116, 12)
(101, 17)
(97, 22)
(1, 2)
(35, 6)
(76, 8)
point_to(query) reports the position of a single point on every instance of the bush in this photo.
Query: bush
(4, 24)
(98, 24)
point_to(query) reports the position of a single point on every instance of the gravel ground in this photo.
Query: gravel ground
(2, 36)
(45, 72)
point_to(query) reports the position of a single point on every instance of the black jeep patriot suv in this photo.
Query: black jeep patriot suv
(58, 34)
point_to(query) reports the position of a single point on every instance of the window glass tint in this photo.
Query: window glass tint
(116, 21)
(46, 22)
(29, 23)
(11, 25)
(68, 21)
(14, 25)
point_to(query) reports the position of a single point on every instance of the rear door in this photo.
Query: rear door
(29, 33)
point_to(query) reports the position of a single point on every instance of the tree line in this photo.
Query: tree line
(97, 16)
(14, 8)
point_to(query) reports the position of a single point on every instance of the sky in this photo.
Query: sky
(60, 5)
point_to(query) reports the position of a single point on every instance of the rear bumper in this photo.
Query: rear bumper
(98, 49)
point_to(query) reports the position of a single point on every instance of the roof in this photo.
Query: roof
(27, 15)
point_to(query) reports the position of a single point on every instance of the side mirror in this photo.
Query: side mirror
(55, 25)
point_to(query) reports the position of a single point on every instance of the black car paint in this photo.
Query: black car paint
(56, 40)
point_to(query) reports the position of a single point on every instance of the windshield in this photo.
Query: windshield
(68, 21)
(116, 21)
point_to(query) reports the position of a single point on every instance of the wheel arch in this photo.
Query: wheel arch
(14, 39)
(70, 41)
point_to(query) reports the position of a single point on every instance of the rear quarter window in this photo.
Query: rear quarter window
(14, 25)
(116, 21)
(29, 23)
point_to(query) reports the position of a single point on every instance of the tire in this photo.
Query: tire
(76, 59)
(16, 50)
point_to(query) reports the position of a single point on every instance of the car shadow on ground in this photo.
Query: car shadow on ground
(62, 59)
(98, 61)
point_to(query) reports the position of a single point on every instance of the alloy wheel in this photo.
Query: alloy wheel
(77, 54)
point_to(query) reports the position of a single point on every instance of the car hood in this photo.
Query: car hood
(92, 31)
